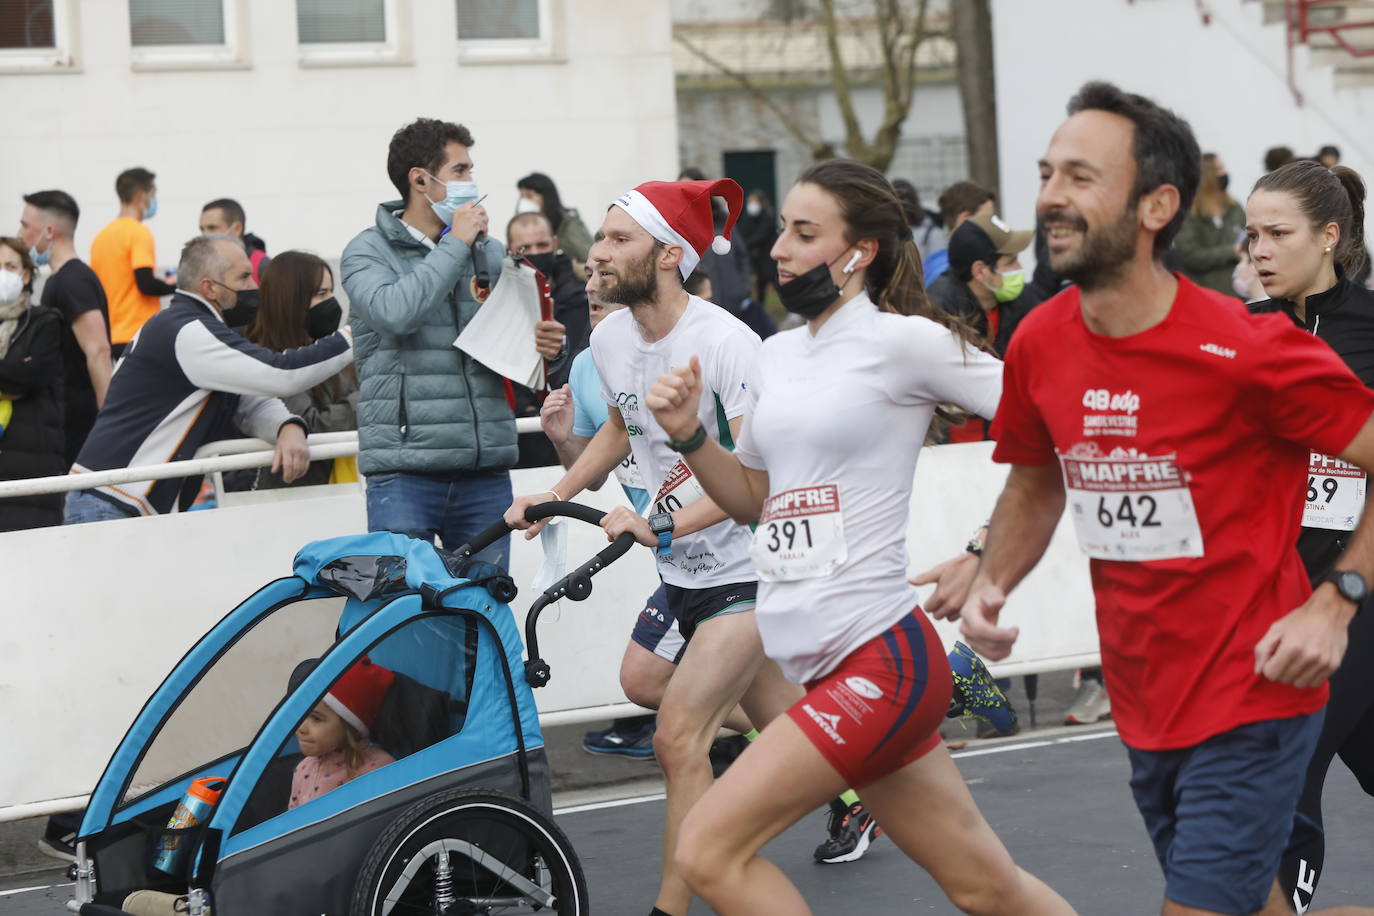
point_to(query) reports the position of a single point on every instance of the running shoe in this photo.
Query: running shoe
(58, 843)
(852, 830)
(1091, 704)
(636, 742)
(976, 693)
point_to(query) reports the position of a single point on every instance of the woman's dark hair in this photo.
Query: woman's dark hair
(288, 285)
(872, 210)
(911, 202)
(1334, 195)
(26, 262)
(420, 144)
(1164, 148)
(543, 185)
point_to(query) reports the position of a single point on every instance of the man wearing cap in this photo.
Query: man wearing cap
(650, 241)
(985, 284)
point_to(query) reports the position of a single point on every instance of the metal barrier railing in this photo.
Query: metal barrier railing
(211, 458)
(1299, 29)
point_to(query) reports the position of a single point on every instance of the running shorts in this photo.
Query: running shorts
(1220, 813)
(694, 606)
(656, 628)
(881, 707)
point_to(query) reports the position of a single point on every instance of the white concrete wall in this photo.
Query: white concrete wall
(935, 112)
(304, 148)
(1228, 79)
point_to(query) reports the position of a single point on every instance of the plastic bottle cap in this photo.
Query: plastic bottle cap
(208, 788)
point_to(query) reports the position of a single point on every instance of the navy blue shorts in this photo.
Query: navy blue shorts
(656, 628)
(1220, 813)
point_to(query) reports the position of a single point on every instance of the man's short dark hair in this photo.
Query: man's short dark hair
(1276, 156)
(420, 144)
(962, 197)
(57, 202)
(524, 219)
(233, 211)
(1165, 150)
(131, 181)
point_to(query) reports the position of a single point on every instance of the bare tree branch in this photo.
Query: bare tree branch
(819, 148)
(854, 139)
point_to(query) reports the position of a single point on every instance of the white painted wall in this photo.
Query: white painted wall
(304, 149)
(1228, 79)
(935, 112)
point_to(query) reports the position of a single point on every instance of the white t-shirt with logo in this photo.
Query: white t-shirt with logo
(629, 368)
(838, 424)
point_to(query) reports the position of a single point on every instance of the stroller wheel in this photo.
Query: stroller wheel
(467, 852)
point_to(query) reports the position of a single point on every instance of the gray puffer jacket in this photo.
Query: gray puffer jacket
(425, 407)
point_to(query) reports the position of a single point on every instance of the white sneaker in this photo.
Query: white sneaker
(1091, 704)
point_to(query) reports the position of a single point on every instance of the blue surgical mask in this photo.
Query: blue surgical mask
(152, 209)
(39, 258)
(456, 194)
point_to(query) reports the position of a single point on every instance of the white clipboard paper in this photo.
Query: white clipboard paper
(501, 335)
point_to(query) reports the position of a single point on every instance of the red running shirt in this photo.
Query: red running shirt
(1184, 451)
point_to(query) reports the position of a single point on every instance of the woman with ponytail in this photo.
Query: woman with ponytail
(1305, 229)
(824, 464)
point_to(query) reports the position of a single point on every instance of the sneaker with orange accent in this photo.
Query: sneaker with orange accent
(852, 830)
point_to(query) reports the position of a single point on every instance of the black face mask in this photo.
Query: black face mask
(810, 293)
(544, 262)
(246, 302)
(1224, 181)
(323, 319)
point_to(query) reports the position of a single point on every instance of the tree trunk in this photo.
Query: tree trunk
(972, 23)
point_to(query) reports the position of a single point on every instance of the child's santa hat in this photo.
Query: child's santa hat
(679, 213)
(357, 696)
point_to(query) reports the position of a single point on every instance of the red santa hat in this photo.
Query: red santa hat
(357, 696)
(679, 213)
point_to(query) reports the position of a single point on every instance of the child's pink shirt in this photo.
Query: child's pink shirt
(315, 776)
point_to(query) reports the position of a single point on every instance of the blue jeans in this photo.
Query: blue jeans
(84, 506)
(421, 507)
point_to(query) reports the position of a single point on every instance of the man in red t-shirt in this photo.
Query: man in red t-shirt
(1177, 429)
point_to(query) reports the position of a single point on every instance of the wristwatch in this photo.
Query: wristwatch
(1350, 584)
(661, 524)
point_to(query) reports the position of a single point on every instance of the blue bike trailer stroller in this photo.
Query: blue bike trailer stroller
(460, 823)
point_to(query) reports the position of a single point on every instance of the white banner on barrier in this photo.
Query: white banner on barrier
(96, 615)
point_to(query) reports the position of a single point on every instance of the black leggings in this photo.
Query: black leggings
(1348, 733)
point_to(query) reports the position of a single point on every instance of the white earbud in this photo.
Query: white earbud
(849, 268)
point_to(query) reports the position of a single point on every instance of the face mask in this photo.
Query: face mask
(39, 258)
(813, 292)
(753, 208)
(151, 210)
(11, 287)
(456, 193)
(1013, 284)
(1224, 181)
(544, 262)
(525, 205)
(244, 309)
(323, 319)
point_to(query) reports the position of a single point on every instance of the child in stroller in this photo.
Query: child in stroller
(334, 735)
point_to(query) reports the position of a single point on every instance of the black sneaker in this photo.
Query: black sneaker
(58, 842)
(852, 831)
(637, 743)
(724, 751)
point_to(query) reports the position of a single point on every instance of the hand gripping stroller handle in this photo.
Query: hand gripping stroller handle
(577, 586)
(499, 529)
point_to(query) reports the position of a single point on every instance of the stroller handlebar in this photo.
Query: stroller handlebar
(499, 529)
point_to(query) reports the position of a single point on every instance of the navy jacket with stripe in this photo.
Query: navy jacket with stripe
(186, 379)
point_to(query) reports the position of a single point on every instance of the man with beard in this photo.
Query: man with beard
(651, 240)
(1177, 428)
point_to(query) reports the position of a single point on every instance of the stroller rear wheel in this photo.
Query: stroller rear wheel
(471, 853)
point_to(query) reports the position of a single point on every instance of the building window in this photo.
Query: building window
(505, 30)
(35, 36)
(185, 33)
(349, 32)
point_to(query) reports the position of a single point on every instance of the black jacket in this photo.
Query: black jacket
(1343, 316)
(34, 443)
(957, 299)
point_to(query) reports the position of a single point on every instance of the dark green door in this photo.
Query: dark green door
(755, 170)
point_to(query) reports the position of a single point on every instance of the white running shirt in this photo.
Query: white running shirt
(838, 425)
(629, 368)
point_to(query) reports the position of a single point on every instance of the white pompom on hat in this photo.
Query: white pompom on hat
(679, 213)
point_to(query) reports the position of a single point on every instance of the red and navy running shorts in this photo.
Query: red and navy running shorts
(881, 707)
